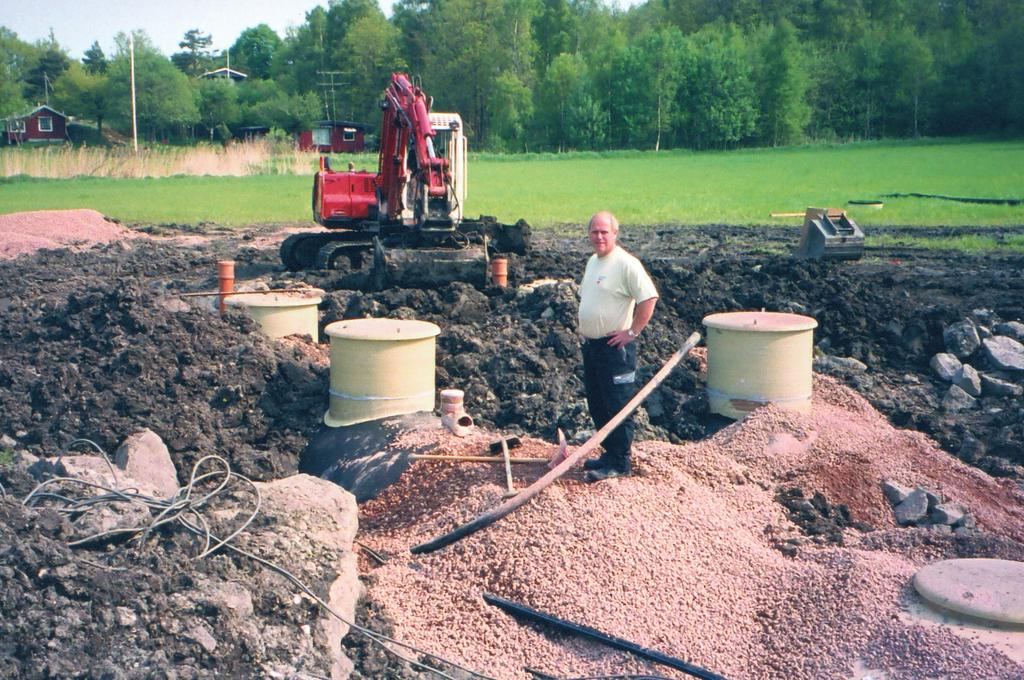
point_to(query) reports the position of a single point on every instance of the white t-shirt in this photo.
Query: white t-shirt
(611, 287)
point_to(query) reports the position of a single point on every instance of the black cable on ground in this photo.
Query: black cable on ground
(523, 611)
(960, 199)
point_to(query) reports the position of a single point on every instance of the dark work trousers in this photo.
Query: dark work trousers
(609, 377)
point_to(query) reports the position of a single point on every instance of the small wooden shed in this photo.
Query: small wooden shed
(42, 125)
(334, 136)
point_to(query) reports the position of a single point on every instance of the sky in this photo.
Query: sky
(77, 23)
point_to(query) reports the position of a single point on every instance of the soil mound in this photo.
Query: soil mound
(96, 343)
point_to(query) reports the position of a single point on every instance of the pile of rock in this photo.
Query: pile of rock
(980, 340)
(924, 507)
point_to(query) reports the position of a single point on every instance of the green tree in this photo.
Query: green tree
(783, 85)
(462, 68)
(15, 56)
(907, 69)
(292, 113)
(218, 104)
(50, 65)
(410, 17)
(647, 78)
(716, 98)
(560, 90)
(555, 31)
(82, 93)
(302, 54)
(367, 56)
(512, 104)
(867, 63)
(195, 57)
(342, 16)
(165, 102)
(254, 50)
(94, 60)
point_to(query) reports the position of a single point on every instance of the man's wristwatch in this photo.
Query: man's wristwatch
(630, 333)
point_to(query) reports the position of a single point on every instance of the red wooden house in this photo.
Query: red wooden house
(334, 136)
(41, 126)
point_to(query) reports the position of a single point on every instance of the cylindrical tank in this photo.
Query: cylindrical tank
(281, 314)
(755, 358)
(380, 368)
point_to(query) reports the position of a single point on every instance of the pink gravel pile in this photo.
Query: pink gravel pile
(27, 232)
(681, 557)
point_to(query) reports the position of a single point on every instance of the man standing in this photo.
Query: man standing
(617, 299)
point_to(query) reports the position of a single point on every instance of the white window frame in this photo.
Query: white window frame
(321, 136)
(49, 123)
(17, 125)
(348, 134)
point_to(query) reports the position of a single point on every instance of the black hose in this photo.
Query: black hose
(594, 634)
(960, 199)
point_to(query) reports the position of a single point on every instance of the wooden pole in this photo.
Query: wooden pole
(529, 492)
(475, 459)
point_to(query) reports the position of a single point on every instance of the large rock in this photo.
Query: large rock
(961, 338)
(968, 380)
(1012, 329)
(913, 509)
(316, 520)
(1004, 353)
(994, 386)
(946, 366)
(957, 400)
(947, 513)
(833, 365)
(144, 458)
(895, 493)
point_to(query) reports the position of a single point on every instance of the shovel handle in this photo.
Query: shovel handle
(476, 459)
(529, 492)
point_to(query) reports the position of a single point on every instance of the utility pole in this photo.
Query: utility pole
(131, 61)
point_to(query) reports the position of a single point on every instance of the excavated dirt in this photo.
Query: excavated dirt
(96, 343)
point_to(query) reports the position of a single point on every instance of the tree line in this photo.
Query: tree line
(553, 75)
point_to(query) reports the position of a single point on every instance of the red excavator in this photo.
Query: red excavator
(404, 224)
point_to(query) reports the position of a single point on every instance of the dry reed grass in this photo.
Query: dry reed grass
(260, 157)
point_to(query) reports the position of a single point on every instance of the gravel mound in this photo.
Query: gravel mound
(685, 557)
(27, 232)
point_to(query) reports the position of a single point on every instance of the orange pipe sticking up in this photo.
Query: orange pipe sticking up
(226, 281)
(499, 271)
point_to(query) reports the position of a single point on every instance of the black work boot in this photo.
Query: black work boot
(596, 463)
(620, 468)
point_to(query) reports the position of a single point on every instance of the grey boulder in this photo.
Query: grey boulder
(1004, 353)
(961, 338)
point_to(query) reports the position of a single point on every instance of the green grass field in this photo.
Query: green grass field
(677, 187)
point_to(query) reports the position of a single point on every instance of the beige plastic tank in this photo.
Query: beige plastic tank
(380, 368)
(755, 358)
(281, 314)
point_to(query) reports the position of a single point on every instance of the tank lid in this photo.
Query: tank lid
(766, 322)
(272, 299)
(382, 329)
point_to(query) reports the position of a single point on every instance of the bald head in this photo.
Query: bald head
(605, 217)
(603, 231)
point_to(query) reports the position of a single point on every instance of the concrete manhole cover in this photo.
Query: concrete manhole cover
(985, 588)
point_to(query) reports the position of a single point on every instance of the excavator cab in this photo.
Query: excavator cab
(830, 234)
